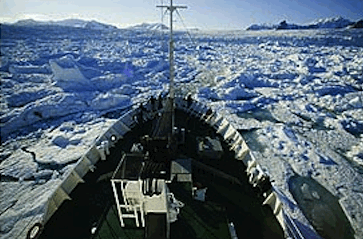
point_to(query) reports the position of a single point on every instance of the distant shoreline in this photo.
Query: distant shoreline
(328, 23)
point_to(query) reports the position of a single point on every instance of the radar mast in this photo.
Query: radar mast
(171, 8)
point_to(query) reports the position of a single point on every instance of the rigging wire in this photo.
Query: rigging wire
(188, 33)
(156, 30)
(161, 11)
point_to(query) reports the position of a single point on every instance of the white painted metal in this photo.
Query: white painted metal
(275, 204)
(103, 149)
(121, 128)
(132, 200)
(83, 166)
(171, 10)
(157, 203)
(232, 230)
(72, 180)
(54, 202)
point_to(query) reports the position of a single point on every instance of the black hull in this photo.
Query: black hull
(237, 199)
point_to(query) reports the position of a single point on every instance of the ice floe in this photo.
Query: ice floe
(296, 96)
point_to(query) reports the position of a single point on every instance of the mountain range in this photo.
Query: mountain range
(78, 23)
(325, 23)
(149, 26)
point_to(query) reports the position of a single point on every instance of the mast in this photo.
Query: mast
(171, 10)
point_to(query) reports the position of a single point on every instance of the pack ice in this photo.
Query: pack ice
(296, 96)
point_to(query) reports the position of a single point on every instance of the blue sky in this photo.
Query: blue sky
(203, 14)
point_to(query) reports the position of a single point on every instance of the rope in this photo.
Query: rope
(188, 33)
(155, 30)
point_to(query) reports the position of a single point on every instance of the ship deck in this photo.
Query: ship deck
(196, 220)
(229, 198)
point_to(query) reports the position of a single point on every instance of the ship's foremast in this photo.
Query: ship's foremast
(171, 8)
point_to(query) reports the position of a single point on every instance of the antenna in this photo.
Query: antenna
(171, 9)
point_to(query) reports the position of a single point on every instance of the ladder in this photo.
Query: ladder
(133, 201)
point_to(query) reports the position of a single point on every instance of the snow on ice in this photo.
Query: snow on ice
(296, 96)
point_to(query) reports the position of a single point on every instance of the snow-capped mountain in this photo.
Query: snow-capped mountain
(93, 25)
(334, 22)
(358, 24)
(149, 26)
(29, 22)
(264, 26)
(99, 26)
(325, 23)
(288, 26)
(72, 23)
(78, 23)
(280, 26)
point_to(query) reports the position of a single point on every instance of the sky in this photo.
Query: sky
(202, 14)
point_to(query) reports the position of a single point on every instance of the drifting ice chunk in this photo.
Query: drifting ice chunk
(19, 165)
(30, 69)
(208, 93)
(109, 100)
(60, 141)
(68, 75)
(356, 102)
(238, 93)
(107, 82)
(31, 94)
(65, 68)
(334, 90)
(53, 106)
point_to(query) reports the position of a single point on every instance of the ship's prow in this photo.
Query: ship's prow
(209, 182)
